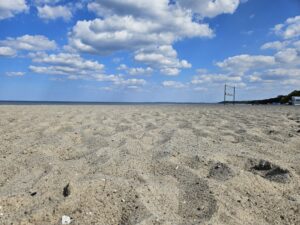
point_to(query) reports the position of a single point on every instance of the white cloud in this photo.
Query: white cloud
(119, 80)
(136, 71)
(29, 43)
(74, 67)
(9, 8)
(163, 58)
(282, 73)
(277, 45)
(144, 24)
(71, 65)
(288, 56)
(137, 8)
(47, 12)
(109, 35)
(205, 8)
(210, 8)
(282, 68)
(289, 29)
(170, 71)
(144, 27)
(254, 78)
(15, 74)
(7, 52)
(106, 88)
(129, 82)
(69, 60)
(212, 78)
(292, 83)
(297, 45)
(173, 84)
(242, 63)
(47, 2)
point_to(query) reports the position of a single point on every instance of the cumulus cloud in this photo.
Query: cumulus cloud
(29, 43)
(276, 45)
(288, 56)
(9, 8)
(47, 12)
(15, 74)
(141, 26)
(120, 81)
(173, 84)
(136, 71)
(210, 8)
(129, 82)
(145, 27)
(205, 8)
(243, 63)
(163, 58)
(281, 67)
(46, 2)
(7, 52)
(72, 65)
(289, 29)
(296, 44)
(67, 59)
(281, 73)
(213, 78)
(118, 33)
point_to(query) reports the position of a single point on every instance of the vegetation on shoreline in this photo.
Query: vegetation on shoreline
(281, 99)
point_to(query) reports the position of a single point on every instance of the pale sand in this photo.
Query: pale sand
(149, 165)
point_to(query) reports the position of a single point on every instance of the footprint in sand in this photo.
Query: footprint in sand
(132, 211)
(165, 136)
(269, 171)
(220, 171)
(196, 202)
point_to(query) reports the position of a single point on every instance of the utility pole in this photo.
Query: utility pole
(225, 94)
(229, 91)
(234, 95)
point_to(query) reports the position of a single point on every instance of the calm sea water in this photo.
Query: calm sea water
(97, 103)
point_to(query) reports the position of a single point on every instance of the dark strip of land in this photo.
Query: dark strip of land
(281, 99)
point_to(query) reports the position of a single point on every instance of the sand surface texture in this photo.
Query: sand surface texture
(162, 165)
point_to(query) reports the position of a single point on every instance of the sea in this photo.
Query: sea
(98, 103)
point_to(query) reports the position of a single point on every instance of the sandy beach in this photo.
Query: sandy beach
(150, 164)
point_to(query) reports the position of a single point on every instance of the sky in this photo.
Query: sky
(148, 51)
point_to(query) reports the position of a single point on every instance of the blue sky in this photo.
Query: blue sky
(140, 50)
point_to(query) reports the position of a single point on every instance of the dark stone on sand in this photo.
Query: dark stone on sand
(33, 193)
(67, 190)
(271, 132)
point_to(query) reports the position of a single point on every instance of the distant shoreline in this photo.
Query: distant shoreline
(99, 103)
(279, 100)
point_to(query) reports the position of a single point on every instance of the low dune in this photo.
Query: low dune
(150, 164)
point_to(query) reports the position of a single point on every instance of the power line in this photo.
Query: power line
(229, 91)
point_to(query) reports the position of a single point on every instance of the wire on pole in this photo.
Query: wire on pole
(229, 91)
